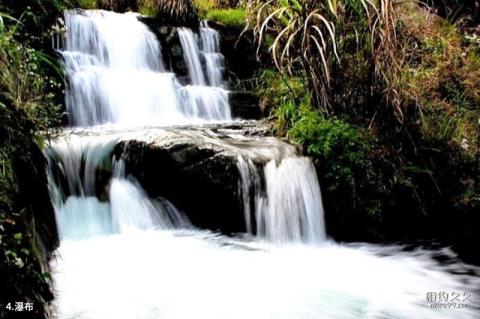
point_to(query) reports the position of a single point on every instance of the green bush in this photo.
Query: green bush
(343, 154)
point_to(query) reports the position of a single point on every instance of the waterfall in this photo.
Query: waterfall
(191, 53)
(92, 195)
(116, 75)
(288, 207)
(125, 253)
(214, 60)
(206, 91)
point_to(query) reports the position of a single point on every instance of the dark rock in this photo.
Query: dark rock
(245, 105)
(196, 168)
(201, 182)
(172, 52)
(240, 53)
(32, 182)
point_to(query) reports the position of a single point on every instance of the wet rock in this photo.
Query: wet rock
(172, 52)
(196, 168)
(32, 182)
(201, 182)
(245, 105)
(240, 52)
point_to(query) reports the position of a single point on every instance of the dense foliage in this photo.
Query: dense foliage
(394, 131)
(30, 105)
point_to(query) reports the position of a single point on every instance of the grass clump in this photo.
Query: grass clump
(179, 10)
(25, 80)
(309, 36)
(229, 13)
(228, 17)
(203, 6)
(440, 78)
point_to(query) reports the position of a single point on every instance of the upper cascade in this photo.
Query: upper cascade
(205, 66)
(116, 75)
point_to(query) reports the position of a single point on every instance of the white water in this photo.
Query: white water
(177, 275)
(205, 70)
(214, 60)
(116, 75)
(131, 256)
(123, 204)
(126, 255)
(191, 53)
(288, 208)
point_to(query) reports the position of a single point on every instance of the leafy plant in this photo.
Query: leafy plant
(23, 82)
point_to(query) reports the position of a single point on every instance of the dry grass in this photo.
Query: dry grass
(117, 5)
(440, 77)
(178, 10)
(307, 35)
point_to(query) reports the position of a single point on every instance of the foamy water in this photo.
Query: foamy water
(178, 275)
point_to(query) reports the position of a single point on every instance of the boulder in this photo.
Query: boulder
(196, 169)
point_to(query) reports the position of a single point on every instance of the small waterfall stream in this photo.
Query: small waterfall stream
(125, 254)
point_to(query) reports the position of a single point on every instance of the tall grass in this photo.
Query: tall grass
(310, 35)
(178, 10)
(24, 82)
(117, 5)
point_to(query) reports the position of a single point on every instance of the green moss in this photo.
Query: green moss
(229, 17)
(87, 4)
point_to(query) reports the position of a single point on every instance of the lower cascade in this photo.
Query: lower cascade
(129, 250)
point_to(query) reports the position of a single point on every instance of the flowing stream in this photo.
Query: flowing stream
(124, 254)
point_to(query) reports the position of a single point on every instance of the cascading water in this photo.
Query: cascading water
(289, 207)
(92, 195)
(124, 254)
(205, 70)
(116, 75)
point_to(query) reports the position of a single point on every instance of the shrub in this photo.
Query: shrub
(343, 155)
(24, 82)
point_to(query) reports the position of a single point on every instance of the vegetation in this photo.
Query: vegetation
(177, 12)
(229, 13)
(228, 17)
(388, 110)
(308, 36)
(25, 85)
(30, 95)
